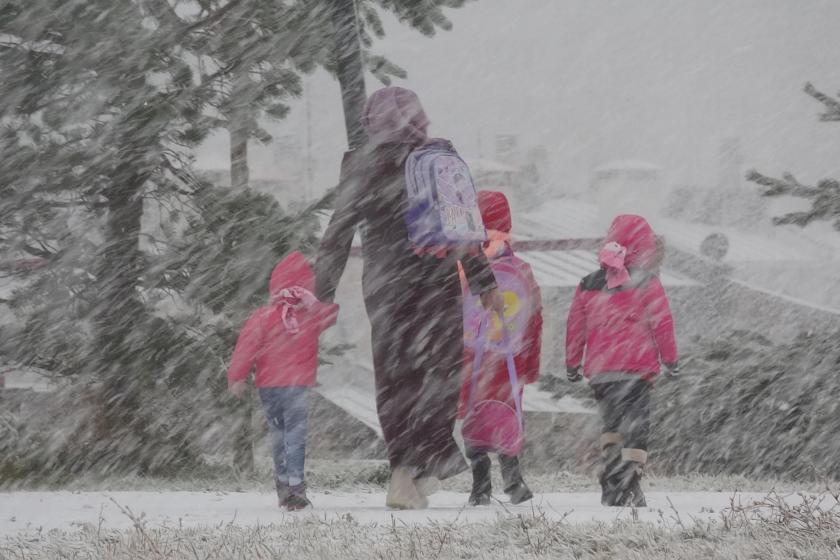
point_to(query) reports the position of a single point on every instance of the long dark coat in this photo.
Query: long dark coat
(414, 306)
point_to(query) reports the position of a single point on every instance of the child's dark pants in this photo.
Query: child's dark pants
(625, 410)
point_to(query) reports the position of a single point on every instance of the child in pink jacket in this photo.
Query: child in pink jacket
(620, 329)
(280, 342)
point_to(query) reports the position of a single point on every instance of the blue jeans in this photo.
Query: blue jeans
(286, 412)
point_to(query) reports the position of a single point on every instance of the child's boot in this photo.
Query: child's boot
(481, 489)
(297, 500)
(611, 456)
(402, 492)
(515, 486)
(282, 491)
(519, 493)
(629, 479)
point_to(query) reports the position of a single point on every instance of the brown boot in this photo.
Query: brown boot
(282, 492)
(297, 500)
(402, 492)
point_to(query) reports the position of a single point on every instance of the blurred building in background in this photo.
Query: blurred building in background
(628, 187)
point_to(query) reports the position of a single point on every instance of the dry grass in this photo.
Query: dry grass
(802, 519)
(772, 528)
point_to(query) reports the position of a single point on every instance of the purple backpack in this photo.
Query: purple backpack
(487, 330)
(443, 208)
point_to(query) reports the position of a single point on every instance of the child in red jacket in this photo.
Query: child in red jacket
(621, 320)
(493, 379)
(280, 341)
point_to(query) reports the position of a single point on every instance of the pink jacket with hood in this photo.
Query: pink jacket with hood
(280, 340)
(620, 319)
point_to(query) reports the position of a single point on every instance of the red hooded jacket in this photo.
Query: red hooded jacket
(283, 346)
(493, 379)
(628, 330)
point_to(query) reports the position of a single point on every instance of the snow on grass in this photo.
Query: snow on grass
(501, 533)
(354, 523)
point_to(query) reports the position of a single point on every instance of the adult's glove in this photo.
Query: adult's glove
(573, 374)
(672, 371)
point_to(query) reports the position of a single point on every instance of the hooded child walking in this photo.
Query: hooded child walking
(280, 341)
(620, 320)
(493, 381)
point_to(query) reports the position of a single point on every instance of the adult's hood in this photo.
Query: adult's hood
(634, 234)
(395, 115)
(293, 270)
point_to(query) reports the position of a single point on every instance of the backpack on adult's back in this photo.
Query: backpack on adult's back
(443, 212)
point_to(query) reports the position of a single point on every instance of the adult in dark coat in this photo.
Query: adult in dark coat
(413, 301)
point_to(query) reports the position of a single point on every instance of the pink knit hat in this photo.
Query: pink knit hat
(612, 257)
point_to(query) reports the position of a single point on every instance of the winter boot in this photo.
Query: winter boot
(629, 492)
(402, 492)
(427, 485)
(297, 500)
(282, 491)
(629, 478)
(515, 486)
(481, 489)
(611, 456)
(519, 493)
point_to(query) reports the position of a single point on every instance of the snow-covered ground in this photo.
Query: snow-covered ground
(67, 511)
(354, 524)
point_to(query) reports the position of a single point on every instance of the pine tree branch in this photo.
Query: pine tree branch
(212, 18)
(800, 219)
(36, 252)
(832, 105)
(788, 185)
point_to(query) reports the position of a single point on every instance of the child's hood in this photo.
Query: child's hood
(495, 210)
(293, 270)
(635, 234)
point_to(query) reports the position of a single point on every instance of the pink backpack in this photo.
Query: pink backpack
(491, 425)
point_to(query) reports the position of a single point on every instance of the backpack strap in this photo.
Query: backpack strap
(479, 356)
(512, 374)
(511, 367)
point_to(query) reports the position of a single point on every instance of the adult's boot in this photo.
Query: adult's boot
(402, 492)
(427, 485)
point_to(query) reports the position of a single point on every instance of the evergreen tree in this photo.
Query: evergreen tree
(253, 55)
(102, 104)
(824, 196)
